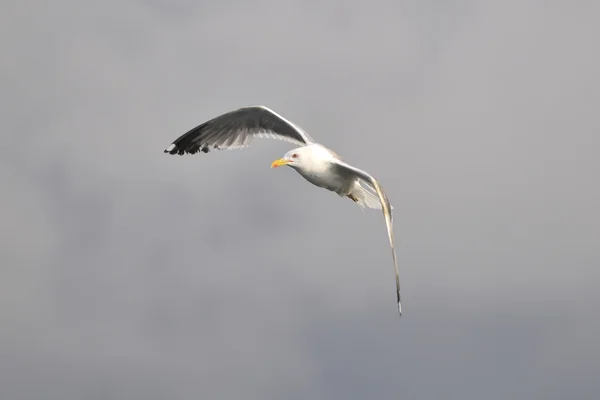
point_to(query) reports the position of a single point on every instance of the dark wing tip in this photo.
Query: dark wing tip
(193, 149)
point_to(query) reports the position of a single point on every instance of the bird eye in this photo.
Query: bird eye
(294, 155)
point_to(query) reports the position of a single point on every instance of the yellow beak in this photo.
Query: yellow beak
(279, 163)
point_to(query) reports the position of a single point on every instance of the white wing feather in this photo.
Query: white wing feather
(386, 207)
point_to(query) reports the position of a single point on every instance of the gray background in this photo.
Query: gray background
(130, 274)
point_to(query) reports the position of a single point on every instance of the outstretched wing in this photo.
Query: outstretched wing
(349, 171)
(236, 129)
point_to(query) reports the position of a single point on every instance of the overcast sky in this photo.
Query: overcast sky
(127, 273)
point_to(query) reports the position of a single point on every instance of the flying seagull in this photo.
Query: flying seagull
(315, 162)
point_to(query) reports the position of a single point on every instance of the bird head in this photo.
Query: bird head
(292, 158)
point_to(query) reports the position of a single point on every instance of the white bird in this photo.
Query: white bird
(315, 162)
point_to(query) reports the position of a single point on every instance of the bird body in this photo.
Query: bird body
(316, 163)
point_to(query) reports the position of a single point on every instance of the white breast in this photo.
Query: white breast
(317, 169)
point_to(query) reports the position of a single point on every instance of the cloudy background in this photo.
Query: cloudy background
(130, 274)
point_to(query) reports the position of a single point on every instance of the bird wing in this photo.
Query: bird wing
(350, 172)
(236, 129)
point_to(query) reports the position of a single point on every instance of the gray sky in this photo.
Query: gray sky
(130, 274)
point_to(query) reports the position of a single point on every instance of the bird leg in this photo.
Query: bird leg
(352, 197)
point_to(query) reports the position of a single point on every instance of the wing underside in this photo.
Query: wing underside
(236, 129)
(386, 207)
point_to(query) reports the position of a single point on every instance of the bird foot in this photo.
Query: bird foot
(352, 197)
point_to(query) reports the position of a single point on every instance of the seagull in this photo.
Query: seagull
(313, 161)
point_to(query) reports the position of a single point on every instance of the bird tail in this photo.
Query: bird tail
(364, 196)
